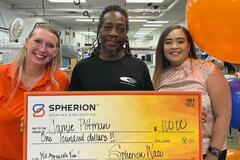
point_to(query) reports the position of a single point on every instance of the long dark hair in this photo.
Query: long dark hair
(161, 61)
(95, 50)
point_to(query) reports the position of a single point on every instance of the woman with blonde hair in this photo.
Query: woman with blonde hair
(36, 68)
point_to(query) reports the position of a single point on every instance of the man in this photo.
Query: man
(111, 65)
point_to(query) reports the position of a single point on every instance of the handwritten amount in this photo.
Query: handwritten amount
(172, 125)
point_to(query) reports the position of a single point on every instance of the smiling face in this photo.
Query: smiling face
(113, 33)
(176, 47)
(41, 47)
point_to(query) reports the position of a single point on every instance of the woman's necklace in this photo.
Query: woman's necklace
(30, 82)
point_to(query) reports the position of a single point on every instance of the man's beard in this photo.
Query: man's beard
(112, 51)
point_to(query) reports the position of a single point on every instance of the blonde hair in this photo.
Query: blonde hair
(21, 58)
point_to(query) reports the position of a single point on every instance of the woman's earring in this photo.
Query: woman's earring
(53, 62)
(190, 54)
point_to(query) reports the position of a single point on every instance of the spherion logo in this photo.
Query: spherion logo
(38, 110)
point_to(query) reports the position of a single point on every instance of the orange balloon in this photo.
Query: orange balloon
(215, 27)
(233, 154)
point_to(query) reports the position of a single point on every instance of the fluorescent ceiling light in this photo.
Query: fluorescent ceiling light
(144, 1)
(87, 20)
(139, 36)
(140, 32)
(137, 20)
(139, 40)
(140, 17)
(89, 33)
(71, 10)
(152, 25)
(157, 22)
(65, 1)
(143, 33)
(147, 29)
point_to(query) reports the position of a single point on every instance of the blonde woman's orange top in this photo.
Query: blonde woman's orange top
(11, 110)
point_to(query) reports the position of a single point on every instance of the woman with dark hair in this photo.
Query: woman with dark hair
(178, 69)
(36, 68)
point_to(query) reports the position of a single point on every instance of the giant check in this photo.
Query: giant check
(112, 125)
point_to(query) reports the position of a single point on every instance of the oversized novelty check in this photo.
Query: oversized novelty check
(112, 125)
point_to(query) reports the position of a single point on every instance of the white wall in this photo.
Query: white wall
(6, 17)
(9, 15)
(183, 23)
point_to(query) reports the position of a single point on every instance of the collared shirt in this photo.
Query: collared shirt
(11, 109)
